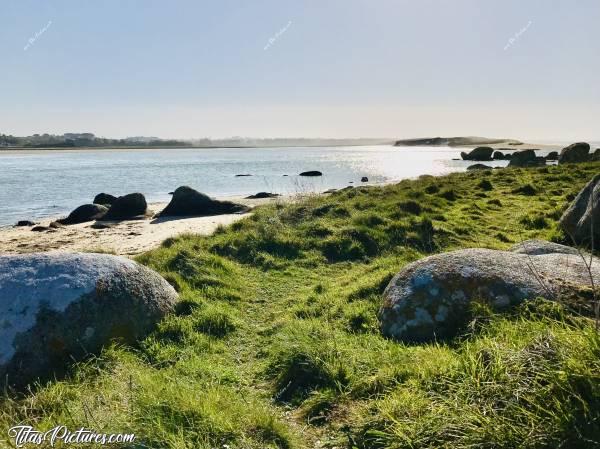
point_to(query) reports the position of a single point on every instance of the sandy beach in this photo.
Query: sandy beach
(127, 238)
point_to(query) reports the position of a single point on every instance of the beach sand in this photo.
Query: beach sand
(128, 238)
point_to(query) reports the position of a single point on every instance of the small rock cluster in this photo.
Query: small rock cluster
(575, 153)
(105, 208)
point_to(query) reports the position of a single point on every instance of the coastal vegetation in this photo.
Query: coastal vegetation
(275, 341)
(79, 140)
(89, 140)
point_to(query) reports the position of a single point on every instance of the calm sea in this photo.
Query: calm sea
(36, 184)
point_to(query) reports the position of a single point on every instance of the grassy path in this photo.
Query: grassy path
(275, 341)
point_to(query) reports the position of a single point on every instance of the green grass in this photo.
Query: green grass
(275, 342)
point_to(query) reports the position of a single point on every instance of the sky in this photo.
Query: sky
(527, 69)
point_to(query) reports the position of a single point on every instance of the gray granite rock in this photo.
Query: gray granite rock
(60, 307)
(581, 220)
(536, 247)
(431, 298)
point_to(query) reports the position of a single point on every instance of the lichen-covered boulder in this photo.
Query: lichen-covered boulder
(535, 247)
(576, 152)
(189, 202)
(583, 215)
(431, 298)
(60, 307)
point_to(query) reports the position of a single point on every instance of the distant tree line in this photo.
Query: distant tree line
(70, 140)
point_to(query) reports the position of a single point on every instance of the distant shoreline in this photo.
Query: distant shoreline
(191, 147)
(461, 141)
(520, 146)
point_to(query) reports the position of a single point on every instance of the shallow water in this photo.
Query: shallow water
(36, 184)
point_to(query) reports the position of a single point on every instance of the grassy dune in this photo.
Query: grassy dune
(275, 341)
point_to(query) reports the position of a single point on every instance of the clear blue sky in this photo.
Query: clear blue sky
(343, 68)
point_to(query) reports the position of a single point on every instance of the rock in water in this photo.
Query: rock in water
(59, 307)
(431, 298)
(498, 155)
(525, 158)
(479, 167)
(552, 156)
(104, 198)
(478, 154)
(86, 212)
(189, 202)
(311, 173)
(127, 206)
(364, 179)
(583, 215)
(576, 152)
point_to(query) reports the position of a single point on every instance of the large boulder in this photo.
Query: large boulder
(499, 155)
(127, 206)
(104, 198)
(582, 217)
(59, 307)
(431, 298)
(478, 154)
(595, 156)
(189, 202)
(525, 158)
(86, 212)
(552, 156)
(311, 173)
(576, 152)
